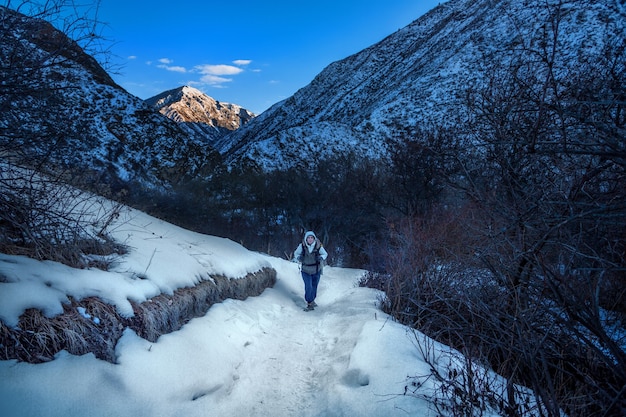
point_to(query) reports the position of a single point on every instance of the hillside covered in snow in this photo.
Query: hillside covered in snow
(417, 78)
(62, 112)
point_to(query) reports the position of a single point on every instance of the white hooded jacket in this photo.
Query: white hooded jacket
(311, 256)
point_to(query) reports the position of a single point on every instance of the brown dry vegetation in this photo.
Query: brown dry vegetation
(38, 338)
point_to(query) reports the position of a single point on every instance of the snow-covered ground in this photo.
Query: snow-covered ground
(264, 356)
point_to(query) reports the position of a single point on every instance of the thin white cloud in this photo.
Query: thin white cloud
(165, 64)
(132, 57)
(220, 69)
(214, 80)
(173, 68)
(242, 62)
(217, 75)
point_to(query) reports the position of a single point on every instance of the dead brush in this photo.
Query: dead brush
(183, 308)
(43, 217)
(97, 329)
(73, 335)
(204, 295)
(36, 338)
(151, 318)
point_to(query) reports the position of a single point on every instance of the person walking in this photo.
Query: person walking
(311, 254)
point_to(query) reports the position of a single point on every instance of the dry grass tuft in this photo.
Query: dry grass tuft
(167, 313)
(91, 325)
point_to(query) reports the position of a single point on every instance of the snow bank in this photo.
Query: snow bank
(162, 258)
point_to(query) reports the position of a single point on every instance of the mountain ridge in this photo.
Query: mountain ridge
(190, 106)
(410, 80)
(66, 114)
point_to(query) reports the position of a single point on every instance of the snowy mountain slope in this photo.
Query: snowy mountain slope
(60, 105)
(412, 79)
(199, 112)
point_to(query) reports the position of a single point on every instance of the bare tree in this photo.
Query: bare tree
(40, 215)
(542, 296)
(551, 184)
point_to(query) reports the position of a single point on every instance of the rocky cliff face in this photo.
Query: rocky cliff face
(200, 113)
(187, 104)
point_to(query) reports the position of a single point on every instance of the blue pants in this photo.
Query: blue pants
(310, 286)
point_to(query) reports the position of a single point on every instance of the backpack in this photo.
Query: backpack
(316, 253)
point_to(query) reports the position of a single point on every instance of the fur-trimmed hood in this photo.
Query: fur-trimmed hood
(307, 234)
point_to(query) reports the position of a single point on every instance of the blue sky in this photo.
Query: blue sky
(250, 53)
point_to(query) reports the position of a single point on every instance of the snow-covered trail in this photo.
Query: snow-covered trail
(264, 356)
(304, 356)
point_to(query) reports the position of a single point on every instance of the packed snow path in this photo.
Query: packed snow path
(303, 357)
(264, 356)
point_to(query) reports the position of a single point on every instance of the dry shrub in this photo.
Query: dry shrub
(44, 218)
(39, 338)
(449, 277)
(423, 257)
(167, 313)
(98, 327)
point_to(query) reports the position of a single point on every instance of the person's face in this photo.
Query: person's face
(310, 239)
